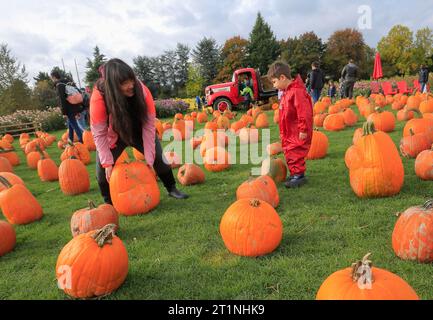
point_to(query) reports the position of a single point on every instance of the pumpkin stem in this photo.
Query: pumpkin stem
(362, 273)
(91, 204)
(104, 235)
(368, 128)
(411, 132)
(255, 203)
(5, 182)
(428, 205)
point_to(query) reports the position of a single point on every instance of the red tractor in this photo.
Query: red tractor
(227, 95)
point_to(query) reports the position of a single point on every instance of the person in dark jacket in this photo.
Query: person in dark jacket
(317, 81)
(423, 78)
(349, 74)
(69, 111)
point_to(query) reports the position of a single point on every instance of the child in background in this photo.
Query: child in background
(296, 121)
(332, 90)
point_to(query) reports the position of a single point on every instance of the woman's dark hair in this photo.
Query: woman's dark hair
(55, 74)
(127, 114)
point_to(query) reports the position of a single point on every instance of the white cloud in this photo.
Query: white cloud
(41, 33)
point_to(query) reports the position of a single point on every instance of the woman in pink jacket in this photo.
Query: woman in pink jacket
(122, 113)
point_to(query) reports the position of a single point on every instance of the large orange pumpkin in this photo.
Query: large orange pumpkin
(88, 140)
(93, 218)
(8, 238)
(18, 204)
(92, 264)
(377, 169)
(319, 146)
(47, 170)
(334, 122)
(190, 174)
(362, 281)
(262, 188)
(383, 120)
(251, 228)
(412, 236)
(216, 159)
(275, 168)
(424, 165)
(133, 188)
(73, 177)
(411, 146)
(12, 178)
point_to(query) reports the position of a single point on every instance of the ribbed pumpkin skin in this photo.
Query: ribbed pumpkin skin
(12, 178)
(12, 157)
(8, 238)
(73, 177)
(412, 238)
(251, 231)
(262, 188)
(34, 157)
(133, 189)
(5, 165)
(94, 271)
(88, 140)
(334, 122)
(383, 121)
(190, 174)
(77, 150)
(386, 286)
(378, 171)
(275, 168)
(350, 117)
(19, 206)
(424, 165)
(412, 146)
(91, 218)
(216, 159)
(319, 146)
(47, 170)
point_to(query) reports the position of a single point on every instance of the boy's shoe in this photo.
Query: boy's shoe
(296, 181)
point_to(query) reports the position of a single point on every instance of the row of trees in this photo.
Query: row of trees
(184, 72)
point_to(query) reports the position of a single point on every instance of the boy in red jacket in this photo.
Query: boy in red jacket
(296, 121)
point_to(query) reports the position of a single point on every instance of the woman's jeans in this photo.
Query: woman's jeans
(74, 127)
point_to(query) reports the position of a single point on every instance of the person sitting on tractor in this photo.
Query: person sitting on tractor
(248, 95)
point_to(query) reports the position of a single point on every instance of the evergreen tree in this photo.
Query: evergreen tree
(92, 74)
(207, 58)
(10, 68)
(263, 48)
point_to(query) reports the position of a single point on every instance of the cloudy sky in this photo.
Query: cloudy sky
(42, 32)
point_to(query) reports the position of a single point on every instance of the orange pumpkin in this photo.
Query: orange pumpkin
(73, 177)
(190, 174)
(11, 156)
(424, 165)
(262, 188)
(77, 150)
(34, 157)
(47, 170)
(350, 117)
(216, 159)
(411, 146)
(88, 140)
(334, 122)
(319, 146)
(377, 169)
(319, 119)
(93, 218)
(362, 281)
(137, 155)
(133, 188)
(274, 149)
(251, 228)
(18, 204)
(12, 178)
(275, 168)
(5, 165)
(8, 238)
(383, 120)
(261, 121)
(248, 135)
(411, 238)
(92, 264)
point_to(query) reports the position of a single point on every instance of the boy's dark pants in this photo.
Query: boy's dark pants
(162, 169)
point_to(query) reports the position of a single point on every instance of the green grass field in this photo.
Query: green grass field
(176, 251)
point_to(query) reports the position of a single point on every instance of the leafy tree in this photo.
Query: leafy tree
(181, 68)
(195, 83)
(206, 56)
(423, 48)
(92, 74)
(17, 96)
(144, 69)
(10, 68)
(44, 94)
(301, 52)
(42, 76)
(233, 56)
(263, 48)
(342, 46)
(397, 50)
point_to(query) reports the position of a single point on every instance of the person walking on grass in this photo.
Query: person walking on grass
(122, 113)
(296, 121)
(349, 74)
(69, 111)
(317, 81)
(423, 78)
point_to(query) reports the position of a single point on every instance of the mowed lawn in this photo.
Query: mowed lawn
(176, 251)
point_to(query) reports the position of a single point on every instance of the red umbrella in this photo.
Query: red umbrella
(377, 71)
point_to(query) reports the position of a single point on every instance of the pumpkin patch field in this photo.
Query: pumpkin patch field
(234, 237)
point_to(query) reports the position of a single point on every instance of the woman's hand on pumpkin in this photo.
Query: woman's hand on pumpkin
(108, 172)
